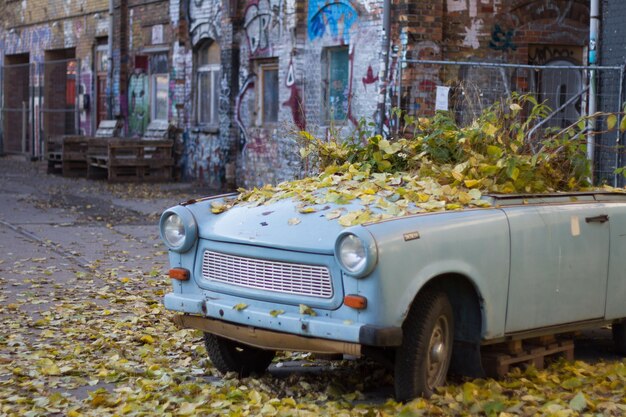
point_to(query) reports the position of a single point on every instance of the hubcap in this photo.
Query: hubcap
(438, 353)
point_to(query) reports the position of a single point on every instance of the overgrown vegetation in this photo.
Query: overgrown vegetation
(435, 164)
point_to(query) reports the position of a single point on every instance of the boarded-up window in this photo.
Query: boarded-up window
(335, 83)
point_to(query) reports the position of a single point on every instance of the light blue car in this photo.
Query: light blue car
(421, 292)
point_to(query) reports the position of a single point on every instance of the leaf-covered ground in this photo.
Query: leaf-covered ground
(99, 342)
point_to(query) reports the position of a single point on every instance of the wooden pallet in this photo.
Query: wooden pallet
(74, 156)
(499, 360)
(130, 159)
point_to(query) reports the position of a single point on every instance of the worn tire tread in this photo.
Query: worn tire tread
(413, 346)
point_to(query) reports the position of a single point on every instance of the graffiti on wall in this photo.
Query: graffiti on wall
(138, 110)
(502, 40)
(331, 18)
(295, 102)
(246, 86)
(205, 20)
(542, 54)
(28, 39)
(85, 99)
(369, 77)
(257, 21)
(475, 30)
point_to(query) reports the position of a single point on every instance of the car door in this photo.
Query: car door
(559, 264)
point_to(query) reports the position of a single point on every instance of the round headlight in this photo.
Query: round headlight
(174, 230)
(352, 253)
(179, 230)
(356, 253)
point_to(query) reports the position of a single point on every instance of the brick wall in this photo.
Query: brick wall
(244, 152)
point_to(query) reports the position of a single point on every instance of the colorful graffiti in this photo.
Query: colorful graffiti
(295, 102)
(28, 39)
(331, 18)
(205, 20)
(138, 110)
(256, 24)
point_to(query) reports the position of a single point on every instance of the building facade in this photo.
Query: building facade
(240, 78)
(52, 59)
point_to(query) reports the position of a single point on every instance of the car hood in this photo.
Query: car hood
(279, 225)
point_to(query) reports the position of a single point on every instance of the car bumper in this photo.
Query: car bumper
(288, 331)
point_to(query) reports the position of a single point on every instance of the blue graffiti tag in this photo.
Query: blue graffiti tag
(337, 17)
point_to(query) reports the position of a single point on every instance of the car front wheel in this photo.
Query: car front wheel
(423, 359)
(231, 356)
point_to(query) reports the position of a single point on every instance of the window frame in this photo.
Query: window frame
(326, 82)
(262, 67)
(214, 72)
(153, 77)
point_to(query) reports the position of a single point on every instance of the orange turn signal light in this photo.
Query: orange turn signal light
(180, 274)
(355, 301)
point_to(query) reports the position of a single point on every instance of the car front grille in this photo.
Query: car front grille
(282, 277)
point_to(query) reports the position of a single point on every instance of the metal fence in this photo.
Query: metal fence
(59, 112)
(16, 108)
(38, 101)
(467, 88)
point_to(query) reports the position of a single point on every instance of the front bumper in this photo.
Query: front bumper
(273, 340)
(322, 333)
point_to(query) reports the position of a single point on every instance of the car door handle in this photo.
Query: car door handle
(597, 219)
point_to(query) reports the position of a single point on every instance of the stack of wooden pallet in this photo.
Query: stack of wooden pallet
(67, 154)
(74, 156)
(130, 159)
(500, 359)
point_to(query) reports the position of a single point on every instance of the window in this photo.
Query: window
(268, 91)
(208, 83)
(159, 87)
(335, 83)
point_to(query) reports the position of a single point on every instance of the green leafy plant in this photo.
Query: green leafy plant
(435, 164)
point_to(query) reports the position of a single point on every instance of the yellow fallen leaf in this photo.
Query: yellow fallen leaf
(304, 309)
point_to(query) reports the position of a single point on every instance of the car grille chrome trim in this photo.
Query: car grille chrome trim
(282, 277)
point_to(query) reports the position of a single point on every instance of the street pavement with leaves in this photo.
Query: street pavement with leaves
(102, 344)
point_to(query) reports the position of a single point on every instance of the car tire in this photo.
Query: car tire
(231, 356)
(619, 337)
(423, 359)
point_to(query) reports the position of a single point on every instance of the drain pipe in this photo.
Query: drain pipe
(383, 73)
(110, 64)
(594, 32)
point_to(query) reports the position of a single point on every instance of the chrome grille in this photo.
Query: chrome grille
(283, 277)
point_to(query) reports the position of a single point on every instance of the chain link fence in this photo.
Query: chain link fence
(16, 108)
(59, 112)
(39, 101)
(467, 88)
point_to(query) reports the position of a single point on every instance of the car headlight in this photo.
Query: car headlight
(178, 229)
(356, 252)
